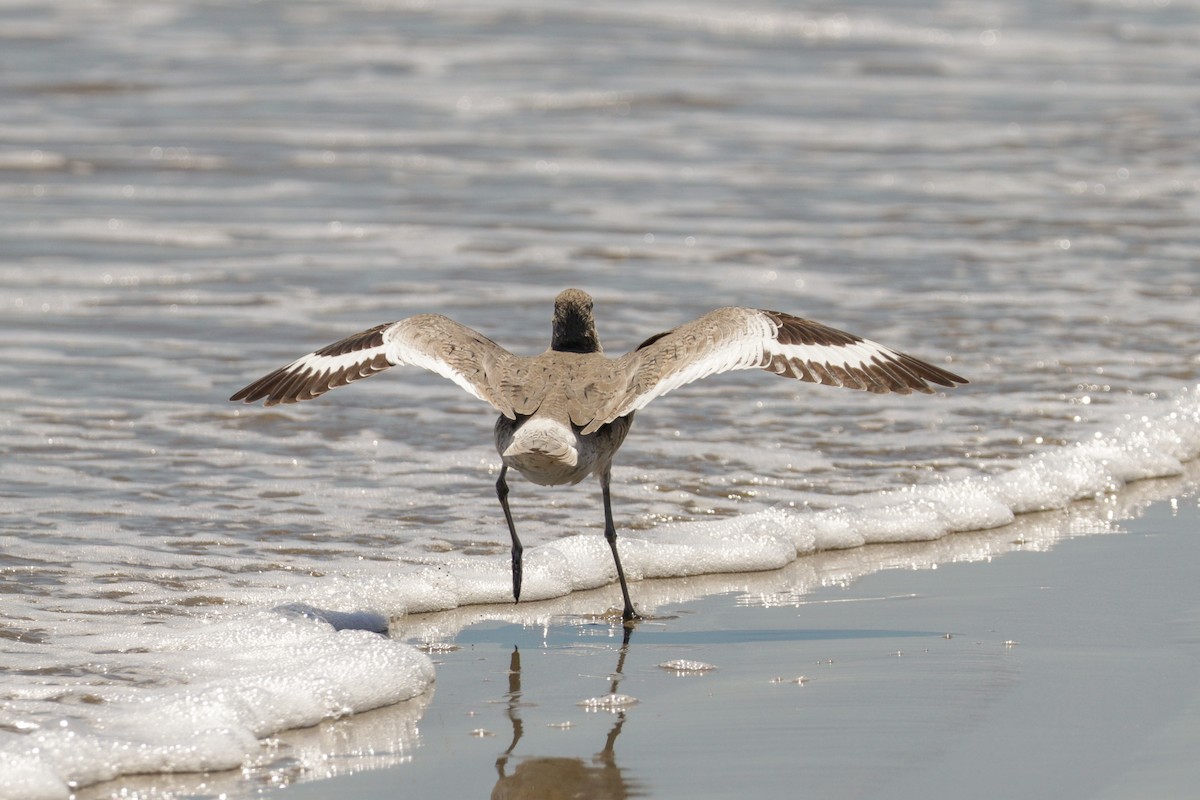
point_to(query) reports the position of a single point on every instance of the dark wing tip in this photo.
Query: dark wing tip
(300, 381)
(904, 374)
(890, 371)
(249, 394)
(252, 393)
(936, 375)
(273, 388)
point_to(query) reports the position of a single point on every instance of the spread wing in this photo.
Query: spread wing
(746, 338)
(432, 341)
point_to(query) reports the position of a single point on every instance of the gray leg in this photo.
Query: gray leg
(517, 549)
(610, 533)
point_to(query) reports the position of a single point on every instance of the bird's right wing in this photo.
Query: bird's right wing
(748, 338)
(437, 343)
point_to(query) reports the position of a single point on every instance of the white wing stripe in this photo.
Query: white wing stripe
(860, 360)
(316, 364)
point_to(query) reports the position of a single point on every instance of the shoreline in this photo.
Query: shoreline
(898, 669)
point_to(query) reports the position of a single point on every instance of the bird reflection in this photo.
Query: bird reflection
(558, 778)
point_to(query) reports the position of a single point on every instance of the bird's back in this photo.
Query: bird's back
(556, 394)
(572, 388)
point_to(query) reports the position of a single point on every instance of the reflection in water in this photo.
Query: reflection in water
(552, 778)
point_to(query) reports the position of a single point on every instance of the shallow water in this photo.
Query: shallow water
(193, 193)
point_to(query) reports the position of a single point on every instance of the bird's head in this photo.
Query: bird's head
(574, 327)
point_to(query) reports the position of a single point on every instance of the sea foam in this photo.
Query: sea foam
(221, 687)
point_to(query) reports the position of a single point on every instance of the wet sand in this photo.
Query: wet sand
(1056, 657)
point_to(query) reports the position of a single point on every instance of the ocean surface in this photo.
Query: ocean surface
(193, 193)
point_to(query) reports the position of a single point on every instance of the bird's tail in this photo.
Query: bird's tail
(546, 438)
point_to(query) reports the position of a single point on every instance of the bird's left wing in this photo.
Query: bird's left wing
(437, 343)
(747, 338)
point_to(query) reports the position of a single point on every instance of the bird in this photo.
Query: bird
(566, 412)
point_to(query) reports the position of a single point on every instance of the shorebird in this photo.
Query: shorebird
(565, 413)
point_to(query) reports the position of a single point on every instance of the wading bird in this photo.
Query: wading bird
(564, 413)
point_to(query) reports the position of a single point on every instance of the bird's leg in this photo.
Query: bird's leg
(610, 533)
(517, 549)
